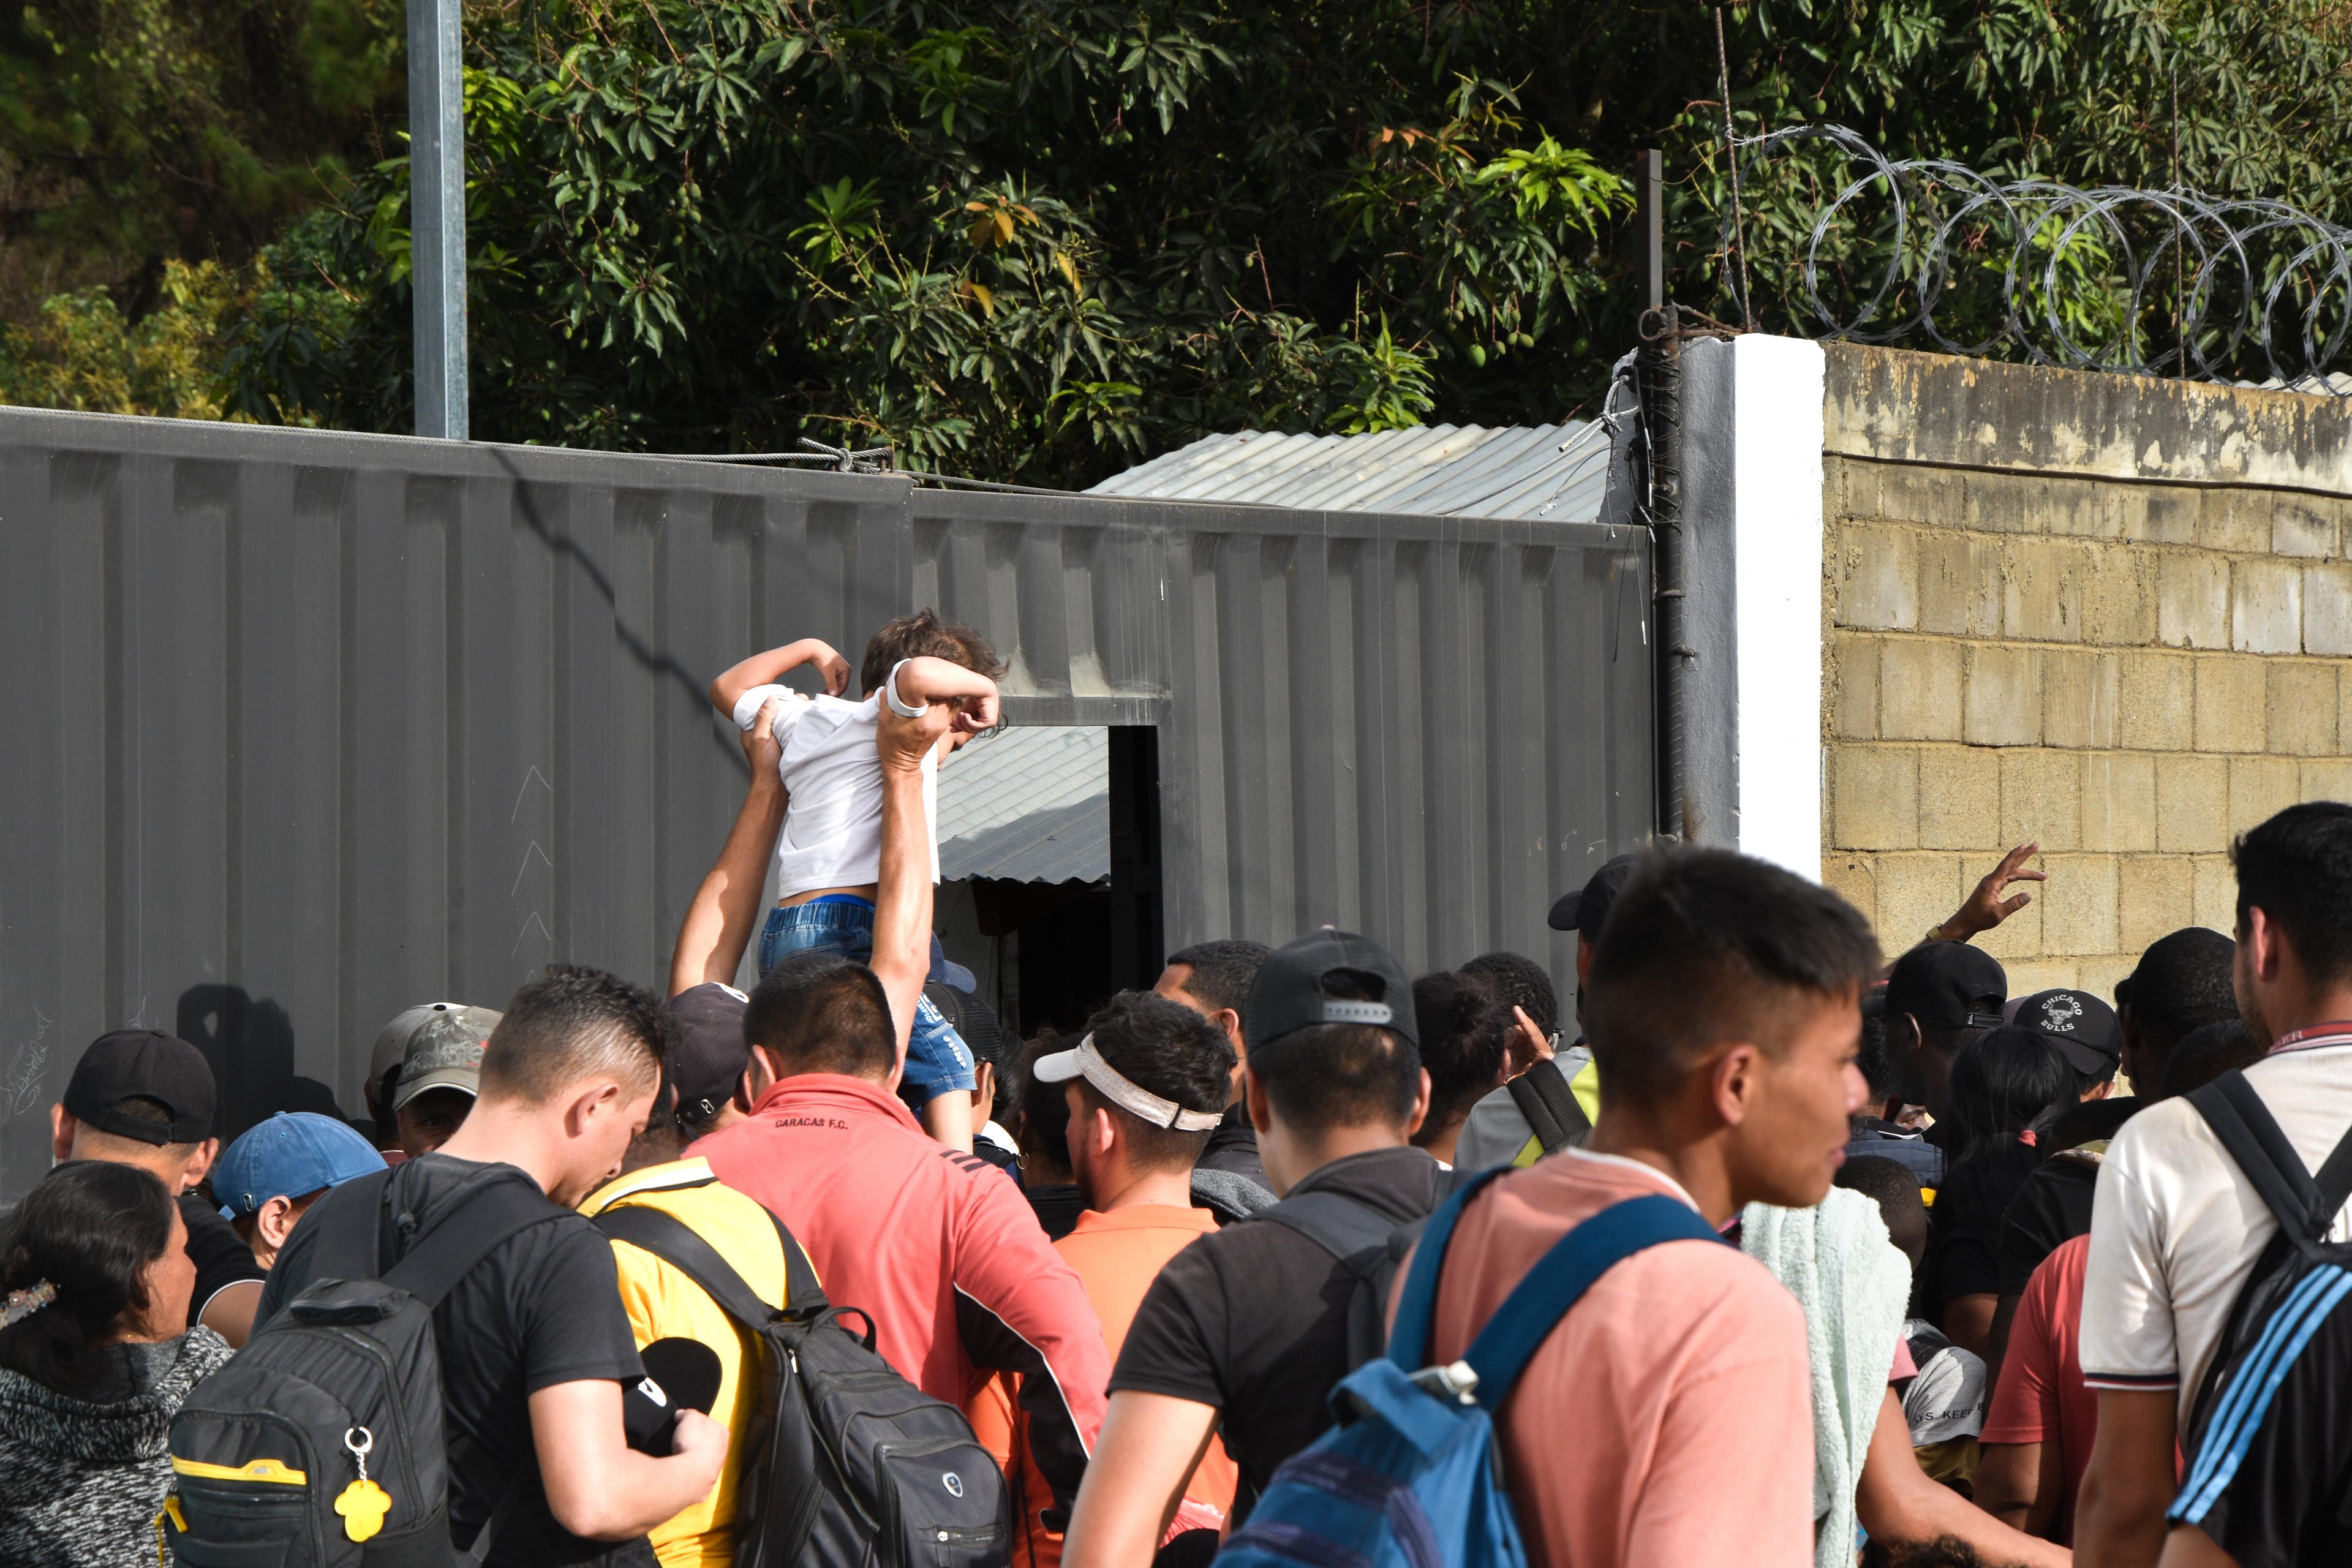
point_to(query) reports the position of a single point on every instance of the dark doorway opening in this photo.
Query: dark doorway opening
(1050, 953)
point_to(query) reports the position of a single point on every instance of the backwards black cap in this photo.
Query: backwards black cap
(708, 1057)
(1584, 911)
(143, 1064)
(1947, 985)
(1294, 990)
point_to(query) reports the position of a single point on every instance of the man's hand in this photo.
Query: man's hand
(698, 1437)
(1985, 908)
(903, 742)
(760, 747)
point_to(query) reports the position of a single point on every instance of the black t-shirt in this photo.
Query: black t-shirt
(1058, 1206)
(221, 1259)
(2053, 1207)
(543, 1307)
(1253, 1319)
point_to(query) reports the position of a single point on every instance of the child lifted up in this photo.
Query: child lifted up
(829, 855)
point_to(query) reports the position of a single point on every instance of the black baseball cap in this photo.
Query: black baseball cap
(1584, 911)
(1291, 993)
(2084, 1028)
(708, 1059)
(975, 1021)
(143, 1064)
(1947, 985)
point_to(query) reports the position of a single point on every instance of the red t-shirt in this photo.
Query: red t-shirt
(2041, 1398)
(936, 1246)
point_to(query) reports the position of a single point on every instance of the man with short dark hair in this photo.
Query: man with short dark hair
(1939, 997)
(1145, 1087)
(2178, 1228)
(141, 1097)
(1213, 979)
(534, 1346)
(934, 1245)
(2181, 982)
(1245, 1332)
(1722, 1004)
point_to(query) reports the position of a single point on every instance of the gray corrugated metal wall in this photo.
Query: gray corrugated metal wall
(297, 729)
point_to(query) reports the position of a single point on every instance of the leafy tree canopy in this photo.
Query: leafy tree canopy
(138, 131)
(1038, 240)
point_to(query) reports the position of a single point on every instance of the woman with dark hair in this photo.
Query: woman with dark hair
(2007, 1087)
(96, 1357)
(1466, 1029)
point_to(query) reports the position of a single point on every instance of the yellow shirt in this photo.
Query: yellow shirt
(663, 1303)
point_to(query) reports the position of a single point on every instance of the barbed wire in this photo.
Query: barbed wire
(2148, 282)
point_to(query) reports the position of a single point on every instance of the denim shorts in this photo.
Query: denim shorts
(937, 1058)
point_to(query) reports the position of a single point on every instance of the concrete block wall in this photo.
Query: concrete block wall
(2104, 612)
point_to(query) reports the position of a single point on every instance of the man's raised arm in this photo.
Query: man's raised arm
(720, 922)
(902, 897)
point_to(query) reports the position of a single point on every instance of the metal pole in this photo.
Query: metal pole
(1649, 225)
(436, 214)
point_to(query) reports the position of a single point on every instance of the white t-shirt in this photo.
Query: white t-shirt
(832, 781)
(2175, 1225)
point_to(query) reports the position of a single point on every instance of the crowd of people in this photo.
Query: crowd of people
(1993, 1279)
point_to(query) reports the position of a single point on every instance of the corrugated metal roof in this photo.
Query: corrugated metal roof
(1031, 805)
(1553, 472)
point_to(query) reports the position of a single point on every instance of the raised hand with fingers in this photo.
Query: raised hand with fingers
(1985, 908)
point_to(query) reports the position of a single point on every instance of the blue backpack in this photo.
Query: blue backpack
(1410, 1477)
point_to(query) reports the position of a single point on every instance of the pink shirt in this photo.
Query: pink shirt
(1668, 1419)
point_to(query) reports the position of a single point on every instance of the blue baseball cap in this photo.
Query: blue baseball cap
(292, 1155)
(946, 971)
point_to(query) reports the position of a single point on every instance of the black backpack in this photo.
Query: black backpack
(1370, 1249)
(269, 1453)
(847, 1464)
(2274, 1294)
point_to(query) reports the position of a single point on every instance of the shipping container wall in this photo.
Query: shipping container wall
(299, 729)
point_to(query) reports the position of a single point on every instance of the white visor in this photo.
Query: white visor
(1087, 1063)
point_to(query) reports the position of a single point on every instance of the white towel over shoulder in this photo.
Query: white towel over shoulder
(1854, 1285)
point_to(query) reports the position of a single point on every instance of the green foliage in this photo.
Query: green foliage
(1036, 239)
(136, 130)
(1028, 239)
(82, 354)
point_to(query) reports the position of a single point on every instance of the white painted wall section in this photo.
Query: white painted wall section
(1777, 401)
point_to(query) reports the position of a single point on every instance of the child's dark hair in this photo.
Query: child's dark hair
(924, 636)
(90, 1230)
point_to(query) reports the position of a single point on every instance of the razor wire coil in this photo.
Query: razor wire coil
(2117, 278)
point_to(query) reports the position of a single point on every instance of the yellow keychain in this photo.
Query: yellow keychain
(364, 1503)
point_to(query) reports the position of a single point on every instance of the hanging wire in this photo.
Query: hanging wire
(1925, 249)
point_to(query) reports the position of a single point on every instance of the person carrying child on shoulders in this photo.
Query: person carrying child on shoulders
(829, 853)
